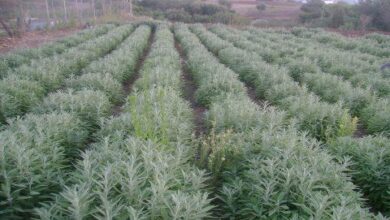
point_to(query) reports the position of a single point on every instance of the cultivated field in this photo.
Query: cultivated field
(175, 121)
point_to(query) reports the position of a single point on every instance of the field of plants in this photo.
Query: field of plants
(155, 120)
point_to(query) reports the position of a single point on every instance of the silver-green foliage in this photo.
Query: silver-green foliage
(201, 63)
(361, 70)
(121, 63)
(89, 105)
(240, 114)
(98, 81)
(160, 114)
(132, 179)
(321, 120)
(34, 153)
(370, 169)
(107, 73)
(18, 96)
(25, 56)
(284, 175)
(162, 66)
(305, 67)
(50, 73)
(141, 167)
(377, 118)
(265, 169)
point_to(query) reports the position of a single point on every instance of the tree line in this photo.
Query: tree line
(367, 14)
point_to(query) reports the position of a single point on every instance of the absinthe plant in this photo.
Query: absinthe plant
(270, 163)
(128, 176)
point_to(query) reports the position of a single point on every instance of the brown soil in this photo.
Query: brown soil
(360, 131)
(33, 39)
(128, 84)
(251, 91)
(189, 89)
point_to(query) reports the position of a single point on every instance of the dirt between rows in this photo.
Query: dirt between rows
(189, 89)
(128, 84)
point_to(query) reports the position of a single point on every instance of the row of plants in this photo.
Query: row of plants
(262, 167)
(374, 44)
(320, 119)
(369, 166)
(25, 56)
(371, 110)
(28, 85)
(368, 157)
(38, 151)
(141, 167)
(361, 70)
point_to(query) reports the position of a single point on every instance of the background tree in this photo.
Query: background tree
(337, 16)
(261, 7)
(379, 11)
(313, 9)
(226, 3)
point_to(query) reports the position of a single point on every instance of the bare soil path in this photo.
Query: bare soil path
(189, 89)
(128, 84)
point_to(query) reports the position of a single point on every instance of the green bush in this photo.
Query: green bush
(178, 15)
(35, 154)
(132, 178)
(26, 56)
(17, 96)
(369, 166)
(240, 114)
(377, 118)
(98, 82)
(50, 73)
(89, 105)
(285, 176)
(161, 115)
(262, 168)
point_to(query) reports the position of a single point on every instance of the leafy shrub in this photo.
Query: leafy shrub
(121, 126)
(125, 175)
(240, 114)
(161, 115)
(178, 15)
(89, 105)
(162, 66)
(25, 56)
(98, 82)
(121, 63)
(369, 166)
(132, 178)
(321, 120)
(217, 87)
(50, 73)
(376, 117)
(201, 63)
(284, 176)
(35, 153)
(240, 160)
(18, 96)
